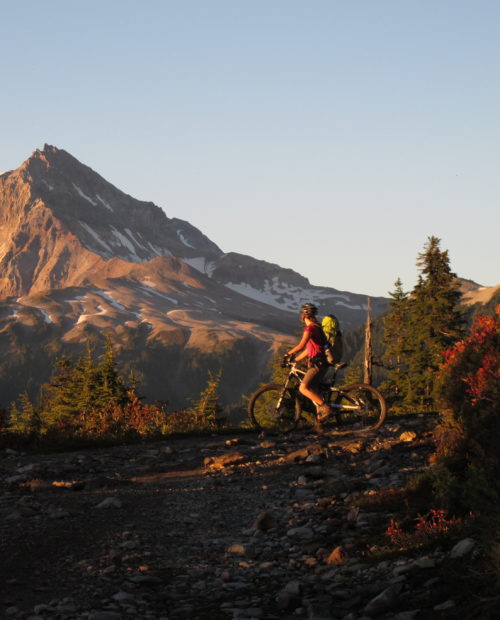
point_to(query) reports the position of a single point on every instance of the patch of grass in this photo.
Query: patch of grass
(386, 500)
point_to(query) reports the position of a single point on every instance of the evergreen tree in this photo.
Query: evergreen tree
(24, 419)
(434, 323)
(59, 396)
(110, 386)
(76, 389)
(208, 407)
(86, 380)
(395, 337)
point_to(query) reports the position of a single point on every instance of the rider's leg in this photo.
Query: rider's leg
(308, 384)
(311, 379)
(309, 388)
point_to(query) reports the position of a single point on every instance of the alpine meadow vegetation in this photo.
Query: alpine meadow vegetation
(89, 400)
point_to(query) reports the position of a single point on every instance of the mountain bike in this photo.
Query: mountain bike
(275, 407)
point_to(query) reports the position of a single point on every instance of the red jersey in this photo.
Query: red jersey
(317, 340)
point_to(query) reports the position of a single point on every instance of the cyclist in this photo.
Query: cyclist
(312, 346)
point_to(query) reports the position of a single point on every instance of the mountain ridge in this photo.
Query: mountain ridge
(81, 260)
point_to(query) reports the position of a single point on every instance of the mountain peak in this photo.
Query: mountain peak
(42, 160)
(53, 208)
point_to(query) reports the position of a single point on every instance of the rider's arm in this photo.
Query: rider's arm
(301, 355)
(300, 346)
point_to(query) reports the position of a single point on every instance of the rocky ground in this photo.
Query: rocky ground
(237, 526)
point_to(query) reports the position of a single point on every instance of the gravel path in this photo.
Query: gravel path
(225, 527)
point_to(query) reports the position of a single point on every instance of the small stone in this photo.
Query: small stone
(105, 615)
(268, 444)
(110, 502)
(15, 478)
(237, 549)
(297, 455)
(352, 516)
(304, 494)
(314, 459)
(407, 615)
(220, 462)
(254, 612)
(263, 522)
(38, 485)
(27, 468)
(122, 596)
(463, 548)
(39, 609)
(384, 601)
(300, 533)
(337, 557)
(289, 597)
(403, 569)
(446, 605)
(426, 562)
(146, 579)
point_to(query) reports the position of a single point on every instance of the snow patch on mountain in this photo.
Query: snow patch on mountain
(265, 297)
(124, 241)
(111, 300)
(83, 317)
(102, 201)
(134, 239)
(149, 290)
(84, 195)
(77, 298)
(92, 232)
(357, 307)
(201, 264)
(290, 298)
(184, 240)
(46, 316)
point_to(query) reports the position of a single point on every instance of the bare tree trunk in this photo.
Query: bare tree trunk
(367, 378)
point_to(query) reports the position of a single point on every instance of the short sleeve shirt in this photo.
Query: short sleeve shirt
(316, 343)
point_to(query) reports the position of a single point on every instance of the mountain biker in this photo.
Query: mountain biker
(312, 346)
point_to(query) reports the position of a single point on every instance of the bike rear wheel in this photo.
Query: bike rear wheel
(362, 405)
(274, 408)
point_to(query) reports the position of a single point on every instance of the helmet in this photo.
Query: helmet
(309, 310)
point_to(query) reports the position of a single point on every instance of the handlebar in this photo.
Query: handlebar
(288, 360)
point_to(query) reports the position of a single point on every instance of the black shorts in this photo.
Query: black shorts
(314, 376)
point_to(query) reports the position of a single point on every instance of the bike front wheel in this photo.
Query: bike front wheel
(362, 405)
(274, 408)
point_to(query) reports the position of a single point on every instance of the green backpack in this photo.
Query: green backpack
(331, 329)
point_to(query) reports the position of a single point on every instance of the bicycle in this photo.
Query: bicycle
(275, 407)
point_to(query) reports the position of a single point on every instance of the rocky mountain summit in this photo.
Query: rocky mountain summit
(58, 218)
(79, 258)
(236, 526)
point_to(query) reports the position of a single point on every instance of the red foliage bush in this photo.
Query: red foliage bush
(427, 529)
(470, 374)
(467, 457)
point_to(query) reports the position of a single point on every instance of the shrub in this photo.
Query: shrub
(427, 529)
(467, 459)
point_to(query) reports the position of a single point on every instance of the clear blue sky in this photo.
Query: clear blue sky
(331, 137)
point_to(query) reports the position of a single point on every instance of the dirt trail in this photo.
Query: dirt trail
(234, 526)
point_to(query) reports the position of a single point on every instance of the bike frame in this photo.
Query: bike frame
(298, 374)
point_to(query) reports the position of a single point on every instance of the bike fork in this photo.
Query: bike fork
(282, 395)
